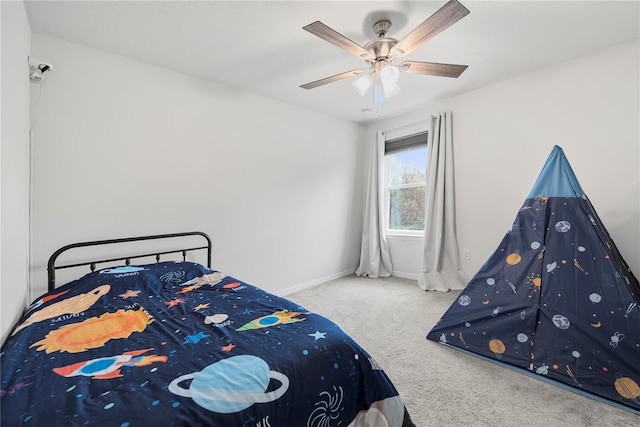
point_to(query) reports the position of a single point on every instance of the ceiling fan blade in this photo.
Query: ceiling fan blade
(331, 79)
(432, 68)
(442, 19)
(321, 30)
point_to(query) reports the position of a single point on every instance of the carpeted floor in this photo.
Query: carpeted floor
(391, 317)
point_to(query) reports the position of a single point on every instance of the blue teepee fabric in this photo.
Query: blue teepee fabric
(556, 298)
(556, 179)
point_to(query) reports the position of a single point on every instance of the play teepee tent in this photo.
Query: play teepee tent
(555, 300)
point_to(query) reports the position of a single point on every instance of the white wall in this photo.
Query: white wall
(14, 163)
(124, 148)
(503, 134)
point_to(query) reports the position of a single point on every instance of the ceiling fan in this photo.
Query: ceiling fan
(381, 52)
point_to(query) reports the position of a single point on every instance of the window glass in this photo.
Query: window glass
(405, 189)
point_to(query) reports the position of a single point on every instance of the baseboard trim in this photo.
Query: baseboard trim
(313, 283)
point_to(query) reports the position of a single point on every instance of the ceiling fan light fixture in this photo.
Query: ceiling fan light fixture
(389, 77)
(390, 90)
(362, 84)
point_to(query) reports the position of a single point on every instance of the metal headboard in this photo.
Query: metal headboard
(51, 267)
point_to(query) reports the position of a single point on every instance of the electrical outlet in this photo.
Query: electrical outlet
(466, 253)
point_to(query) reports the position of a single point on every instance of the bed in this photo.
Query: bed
(174, 342)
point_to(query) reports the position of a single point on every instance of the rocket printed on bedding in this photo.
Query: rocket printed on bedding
(72, 305)
(206, 279)
(44, 300)
(277, 318)
(109, 367)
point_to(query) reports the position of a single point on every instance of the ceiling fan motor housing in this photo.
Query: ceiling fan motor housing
(381, 48)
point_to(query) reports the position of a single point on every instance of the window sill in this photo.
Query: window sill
(394, 236)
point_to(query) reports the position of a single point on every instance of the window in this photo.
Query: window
(405, 182)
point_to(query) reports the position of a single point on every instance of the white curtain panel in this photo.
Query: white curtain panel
(441, 269)
(375, 260)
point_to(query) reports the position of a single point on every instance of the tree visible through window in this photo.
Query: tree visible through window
(405, 189)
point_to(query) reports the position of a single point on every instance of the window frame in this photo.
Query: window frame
(387, 188)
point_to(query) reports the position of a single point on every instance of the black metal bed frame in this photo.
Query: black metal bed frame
(51, 267)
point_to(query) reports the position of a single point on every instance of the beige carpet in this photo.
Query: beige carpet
(390, 318)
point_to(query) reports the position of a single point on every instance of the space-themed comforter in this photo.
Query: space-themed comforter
(178, 344)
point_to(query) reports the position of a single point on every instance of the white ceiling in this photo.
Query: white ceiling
(260, 47)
